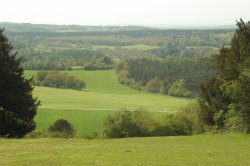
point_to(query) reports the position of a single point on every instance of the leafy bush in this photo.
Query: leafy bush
(92, 135)
(141, 124)
(38, 134)
(178, 89)
(128, 124)
(93, 66)
(154, 85)
(174, 124)
(62, 128)
(58, 80)
(234, 122)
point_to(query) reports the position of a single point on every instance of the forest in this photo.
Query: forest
(171, 62)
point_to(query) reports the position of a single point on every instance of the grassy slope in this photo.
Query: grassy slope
(220, 150)
(104, 92)
(86, 109)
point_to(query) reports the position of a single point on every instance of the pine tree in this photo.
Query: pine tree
(231, 90)
(17, 105)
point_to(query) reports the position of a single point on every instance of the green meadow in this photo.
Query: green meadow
(197, 150)
(103, 94)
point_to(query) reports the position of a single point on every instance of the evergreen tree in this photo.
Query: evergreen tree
(17, 106)
(231, 90)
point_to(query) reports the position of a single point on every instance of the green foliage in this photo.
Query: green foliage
(174, 124)
(212, 100)
(154, 85)
(178, 89)
(104, 63)
(62, 128)
(58, 80)
(17, 105)
(142, 124)
(234, 121)
(231, 88)
(127, 124)
(159, 74)
(55, 47)
(91, 135)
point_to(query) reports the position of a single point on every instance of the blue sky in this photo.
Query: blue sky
(126, 12)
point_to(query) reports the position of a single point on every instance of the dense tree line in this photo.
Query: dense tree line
(179, 76)
(58, 80)
(57, 59)
(104, 63)
(64, 47)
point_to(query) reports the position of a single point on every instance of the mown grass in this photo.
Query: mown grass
(204, 150)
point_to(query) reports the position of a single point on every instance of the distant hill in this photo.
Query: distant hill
(197, 27)
(27, 27)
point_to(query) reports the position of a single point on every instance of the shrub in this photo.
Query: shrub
(38, 134)
(62, 128)
(92, 135)
(174, 124)
(154, 85)
(128, 124)
(234, 122)
(178, 89)
(59, 80)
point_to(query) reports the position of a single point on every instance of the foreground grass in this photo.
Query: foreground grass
(220, 150)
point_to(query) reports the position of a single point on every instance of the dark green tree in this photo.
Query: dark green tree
(63, 127)
(17, 106)
(231, 90)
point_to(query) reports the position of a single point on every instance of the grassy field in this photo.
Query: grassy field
(103, 95)
(84, 121)
(203, 150)
(103, 92)
(139, 47)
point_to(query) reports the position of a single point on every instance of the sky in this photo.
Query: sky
(125, 12)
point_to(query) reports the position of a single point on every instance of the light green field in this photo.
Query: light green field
(103, 95)
(103, 92)
(139, 47)
(142, 47)
(84, 121)
(201, 150)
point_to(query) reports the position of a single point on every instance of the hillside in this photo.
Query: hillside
(103, 94)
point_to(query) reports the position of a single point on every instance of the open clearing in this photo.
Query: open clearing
(205, 150)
